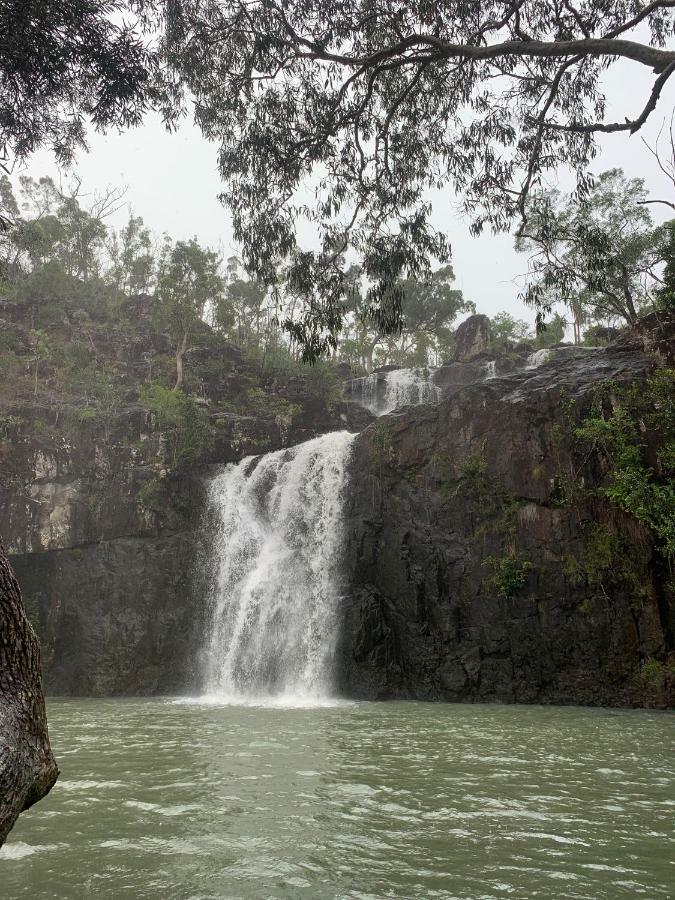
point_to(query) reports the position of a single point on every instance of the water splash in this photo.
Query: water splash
(276, 574)
(383, 392)
(536, 359)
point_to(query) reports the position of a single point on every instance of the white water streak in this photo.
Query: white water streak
(490, 370)
(536, 359)
(276, 573)
(383, 392)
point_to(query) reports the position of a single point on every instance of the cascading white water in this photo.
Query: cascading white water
(490, 369)
(383, 392)
(534, 360)
(276, 573)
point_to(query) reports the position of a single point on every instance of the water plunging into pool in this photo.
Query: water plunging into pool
(275, 573)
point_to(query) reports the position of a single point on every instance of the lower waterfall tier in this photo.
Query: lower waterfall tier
(274, 566)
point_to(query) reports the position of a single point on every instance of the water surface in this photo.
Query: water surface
(164, 800)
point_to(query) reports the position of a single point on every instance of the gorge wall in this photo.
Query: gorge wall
(469, 575)
(472, 577)
(102, 526)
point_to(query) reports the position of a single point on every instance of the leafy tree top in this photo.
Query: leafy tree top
(69, 64)
(601, 257)
(382, 100)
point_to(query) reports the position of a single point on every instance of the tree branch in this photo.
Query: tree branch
(631, 125)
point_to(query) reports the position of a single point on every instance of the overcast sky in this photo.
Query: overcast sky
(173, 183)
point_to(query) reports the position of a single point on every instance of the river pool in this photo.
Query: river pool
(167, 799)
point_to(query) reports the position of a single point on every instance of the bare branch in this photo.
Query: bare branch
(631, 125)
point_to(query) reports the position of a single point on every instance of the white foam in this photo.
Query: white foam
(275, 573)
(383, 392)
(536, 359)
(281, 701)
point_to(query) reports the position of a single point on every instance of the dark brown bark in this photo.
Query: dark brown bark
(27, 767)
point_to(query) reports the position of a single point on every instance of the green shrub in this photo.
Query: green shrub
(9, 424)
(185, 426)
(622, 424)
(509, 574)
(151, 494)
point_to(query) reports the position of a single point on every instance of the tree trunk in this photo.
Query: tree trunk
(180, 353)
(27, 768)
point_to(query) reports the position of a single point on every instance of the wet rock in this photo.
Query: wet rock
(472, 338)
(441, 496)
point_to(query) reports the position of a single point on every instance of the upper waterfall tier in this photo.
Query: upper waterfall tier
(383, 392)
(275, 571)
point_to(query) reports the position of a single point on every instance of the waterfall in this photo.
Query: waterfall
(275, 579)
(383, 392)
(490, 369)
(534, 360)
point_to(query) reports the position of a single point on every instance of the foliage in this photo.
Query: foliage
(9, 424)
(654, 671)
(132, 257)
(602, 550)
(151, 494)
(473, 473)
(381, 102)
(428, 311)
(70, 63)
(506, 332)
(665, 294)
(240, 310)
(187, 283)
(599, 257)
(260, 403)
(184, 425)
(550, 333)
(52, 256)
(633, 427)
(510, 574)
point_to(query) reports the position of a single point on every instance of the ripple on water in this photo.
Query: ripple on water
(378, 801)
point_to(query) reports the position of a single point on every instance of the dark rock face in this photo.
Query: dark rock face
(473, 338)
(116, 617)
(103, 533)
(441, 497)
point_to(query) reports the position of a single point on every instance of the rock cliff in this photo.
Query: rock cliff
(470, 574)
(472, 578)
(102, 525)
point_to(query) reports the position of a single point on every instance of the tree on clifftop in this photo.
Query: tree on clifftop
(601, 258)
(188, 281)
(380, 101)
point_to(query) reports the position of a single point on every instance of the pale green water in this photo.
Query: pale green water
(158, 800)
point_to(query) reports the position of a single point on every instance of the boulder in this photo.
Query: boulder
(472, 338)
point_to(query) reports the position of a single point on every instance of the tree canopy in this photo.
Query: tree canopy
(68, 64)
(375, 103)
(342, 113)
(601, 258)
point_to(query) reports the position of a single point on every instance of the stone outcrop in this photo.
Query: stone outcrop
(472, 338)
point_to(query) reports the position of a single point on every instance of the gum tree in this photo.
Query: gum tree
(601, 258)
(188, 282)
(373, 103)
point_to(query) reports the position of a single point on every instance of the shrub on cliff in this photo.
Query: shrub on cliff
(185, 427)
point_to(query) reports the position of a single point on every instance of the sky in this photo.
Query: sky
(172, 181)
